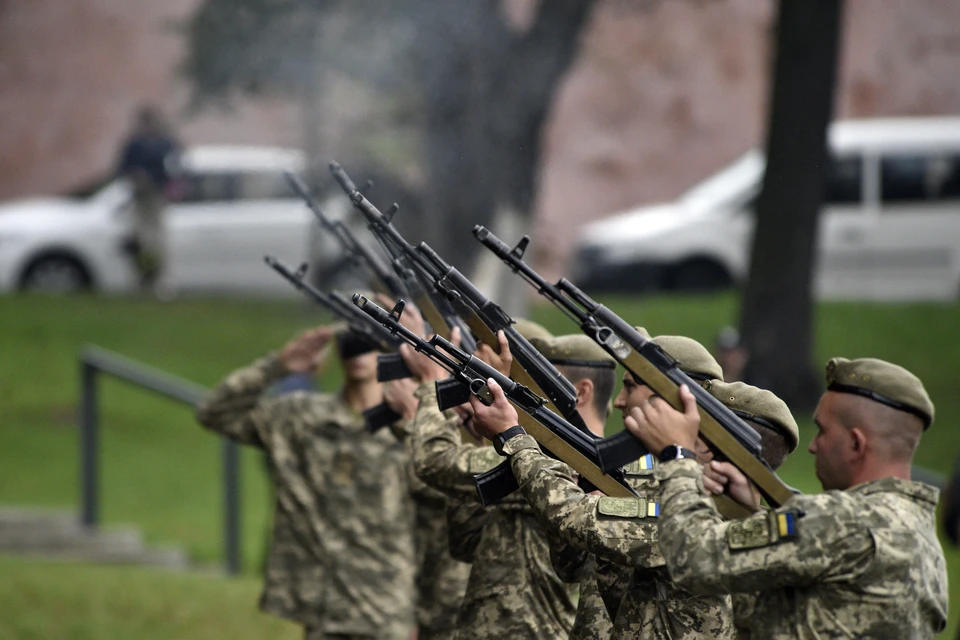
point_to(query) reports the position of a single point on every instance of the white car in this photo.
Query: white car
(232, 206)
(889, 228)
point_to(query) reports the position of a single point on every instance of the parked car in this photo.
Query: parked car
(228, 207)
(889, 227)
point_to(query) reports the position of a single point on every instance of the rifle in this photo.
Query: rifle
(469, 377)
(484, 319)
(726, 433)
(388, 368)
(435, 309)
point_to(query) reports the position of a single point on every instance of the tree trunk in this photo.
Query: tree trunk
(777, 310)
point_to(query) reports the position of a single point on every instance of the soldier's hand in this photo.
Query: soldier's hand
(502, 361)
(656, 424)
(498, 417)
(398, 394)
(305, 352)
(722, 477)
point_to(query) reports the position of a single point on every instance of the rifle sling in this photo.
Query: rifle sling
(772, 488)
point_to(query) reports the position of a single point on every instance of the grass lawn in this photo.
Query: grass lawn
(160, 471)
(62, 601)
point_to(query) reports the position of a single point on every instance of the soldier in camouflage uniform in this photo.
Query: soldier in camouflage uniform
(441, 579)
(513, 591)
(860, 560)
(342, 561)
(624, 530)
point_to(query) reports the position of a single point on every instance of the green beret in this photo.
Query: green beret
(692, 357)
(530, 329)
(758, 405)
(882, 381)
(575, 350)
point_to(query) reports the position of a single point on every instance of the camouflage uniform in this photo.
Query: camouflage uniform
(860, 563)
(342, 561)
(621, 531)
(513, 591)
(441, 579)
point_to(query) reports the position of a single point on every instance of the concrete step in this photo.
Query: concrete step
(58, 534)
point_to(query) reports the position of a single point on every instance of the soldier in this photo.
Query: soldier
(860, 560)
(513, 591)
(624, 530)
(342, 561)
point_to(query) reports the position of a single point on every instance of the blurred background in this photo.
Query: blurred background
(777, 179)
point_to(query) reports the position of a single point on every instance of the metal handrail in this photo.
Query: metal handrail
(96, 360)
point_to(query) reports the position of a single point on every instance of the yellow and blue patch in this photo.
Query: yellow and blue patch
(653, 509)
(787, 524)
(646, 462)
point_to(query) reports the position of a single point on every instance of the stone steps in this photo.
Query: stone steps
(59, 535)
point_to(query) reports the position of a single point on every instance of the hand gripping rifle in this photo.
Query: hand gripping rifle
(720, 427)
(435, 309)
(388, 368)
(469, 377)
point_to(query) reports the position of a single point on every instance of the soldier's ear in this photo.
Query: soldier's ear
(858, 441)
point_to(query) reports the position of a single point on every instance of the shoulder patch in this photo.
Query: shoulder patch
(483, 459)
(762, 531)
(645, 466)
(628, 507)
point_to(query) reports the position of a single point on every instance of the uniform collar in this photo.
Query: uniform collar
(917, 491)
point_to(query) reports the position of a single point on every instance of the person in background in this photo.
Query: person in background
(148, 159)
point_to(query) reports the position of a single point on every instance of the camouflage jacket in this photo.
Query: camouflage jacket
(513, 591)
(623, 531)
(342, 555)
(441, 579)
(860, 563)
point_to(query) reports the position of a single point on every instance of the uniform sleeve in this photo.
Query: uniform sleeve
(236, 407)
(613, 581)
(818, 538)
(440, 459)
(568, 562)
(623, 534)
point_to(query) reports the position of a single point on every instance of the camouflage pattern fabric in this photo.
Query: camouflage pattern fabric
(342, 558)
(513, 591)
(618, 530)
(860, 563)
(466, 518)
(441, 580)
(592, 621)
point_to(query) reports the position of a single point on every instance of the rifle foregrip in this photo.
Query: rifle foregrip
(618, 451)
(379, 416)
(451, 393)
(392, 367)
(496, 484)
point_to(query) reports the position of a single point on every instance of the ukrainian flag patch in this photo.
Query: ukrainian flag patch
(787, 524)
(646, 462)
(653, 509)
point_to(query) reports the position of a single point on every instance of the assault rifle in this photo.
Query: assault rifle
(435, 309)
(388, 367)
(469, 376)
(484, 318)
(726, 433)
(358, 253)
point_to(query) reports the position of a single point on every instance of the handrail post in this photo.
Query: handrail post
(89, 448)
(231, 506)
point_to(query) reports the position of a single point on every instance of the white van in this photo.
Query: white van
(889, 228)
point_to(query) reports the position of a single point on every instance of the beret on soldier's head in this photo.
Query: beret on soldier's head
(530, 329)
(575, 350)
(883, 382)
(692, 357)
(759, 405)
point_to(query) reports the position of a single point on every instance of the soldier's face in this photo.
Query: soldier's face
(831, 445)
(632, 394)
(362, 368)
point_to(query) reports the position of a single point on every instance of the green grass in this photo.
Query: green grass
(160, 471)
(63, 601)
